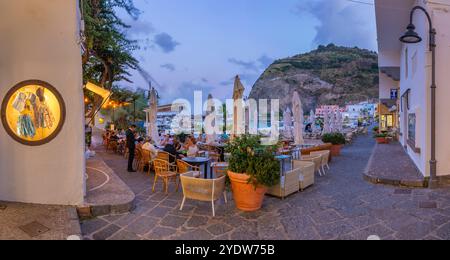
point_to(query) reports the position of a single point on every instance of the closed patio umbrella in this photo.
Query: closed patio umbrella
(210, 133)
(153, 110)
(238, 95)
(287, 116)
(298, 119)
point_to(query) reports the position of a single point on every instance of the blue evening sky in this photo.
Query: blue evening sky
(189, 45)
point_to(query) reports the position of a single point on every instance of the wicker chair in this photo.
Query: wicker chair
(325, 158)
(307, 170)
(289, 184)
(207, 190)
(219, 169)
(162, 170)
(317, 160)
(184, 167)
(145, 160)
(165, 156)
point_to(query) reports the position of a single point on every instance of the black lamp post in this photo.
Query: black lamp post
(411, 37)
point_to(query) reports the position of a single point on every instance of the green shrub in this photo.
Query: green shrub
(334, 138)
(248, 156)
(380, 135)
(376, 129)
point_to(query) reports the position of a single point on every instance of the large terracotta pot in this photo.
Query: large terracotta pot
(335, 150)
(382, 140)
(246, 197)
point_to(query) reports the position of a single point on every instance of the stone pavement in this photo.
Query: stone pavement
(37, 222)
(340, 206)
(391, 165)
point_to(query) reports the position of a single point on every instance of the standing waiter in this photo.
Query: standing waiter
(131, 145)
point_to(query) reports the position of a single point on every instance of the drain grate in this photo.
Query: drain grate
(34, 229)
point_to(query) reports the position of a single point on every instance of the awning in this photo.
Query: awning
(392, 72)
(105, 94)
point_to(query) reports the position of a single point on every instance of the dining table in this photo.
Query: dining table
(198, 161)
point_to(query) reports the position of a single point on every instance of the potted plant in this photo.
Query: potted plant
(382, 138)
(337, 140)
(252, 169)
(376, 129)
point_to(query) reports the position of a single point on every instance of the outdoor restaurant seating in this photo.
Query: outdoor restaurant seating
(323, 147)
(325, 159)
(317, 160)
(206, 190)
(289, 184)
(163, 171)
(307, 170)
(184, 167)
(169, 158)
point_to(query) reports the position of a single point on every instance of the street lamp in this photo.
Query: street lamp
(411, 37)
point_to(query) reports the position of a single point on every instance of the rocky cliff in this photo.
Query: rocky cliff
(327, 76)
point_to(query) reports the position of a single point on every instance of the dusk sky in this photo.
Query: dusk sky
(189, 45)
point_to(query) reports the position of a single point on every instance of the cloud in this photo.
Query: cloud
(169, 67)
(265, 61)
(341, 22)
(259, 64)
(165, 42)
(140, 27)
(250, 65)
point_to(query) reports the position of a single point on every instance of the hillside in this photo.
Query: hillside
(326, 76)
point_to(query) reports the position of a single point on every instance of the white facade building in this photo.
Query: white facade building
(40, 41)
(413, 65)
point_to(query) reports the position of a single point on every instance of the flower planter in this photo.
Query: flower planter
(336, 150)
(246, 197)
(382, 140)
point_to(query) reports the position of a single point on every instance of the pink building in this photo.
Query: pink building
(322, 110)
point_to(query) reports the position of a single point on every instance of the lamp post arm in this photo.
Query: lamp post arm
(426, 13)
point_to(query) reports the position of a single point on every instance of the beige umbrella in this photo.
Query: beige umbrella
(152, 125)
(210, 133)
(298, 119)
(238, 95)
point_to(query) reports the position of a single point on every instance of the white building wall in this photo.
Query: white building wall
(39, 40)
(386, 84)
(418, 79)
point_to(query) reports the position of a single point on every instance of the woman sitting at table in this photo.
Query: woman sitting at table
(165, 140)
(148, 146)
(191, 147)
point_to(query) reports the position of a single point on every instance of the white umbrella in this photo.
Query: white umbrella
(211, 133)
(238, 95)
(312, 120)
(287, 116)
(326, 122)
(298, 119)
(339, 122)
(152, 125)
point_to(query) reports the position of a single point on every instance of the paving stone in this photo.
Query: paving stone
(170, 203)
(126, 220)
(158, 212)
(106, 232)
(334, 230)
(198, 234)
(324, 217)
(125, 235)
(90, 226)
(159, 233)
(197, 221)
(375, 230)
(444, 232)
(428, 205)
(173, 221)
(415, 231)
(219, 229)
(142, 225)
